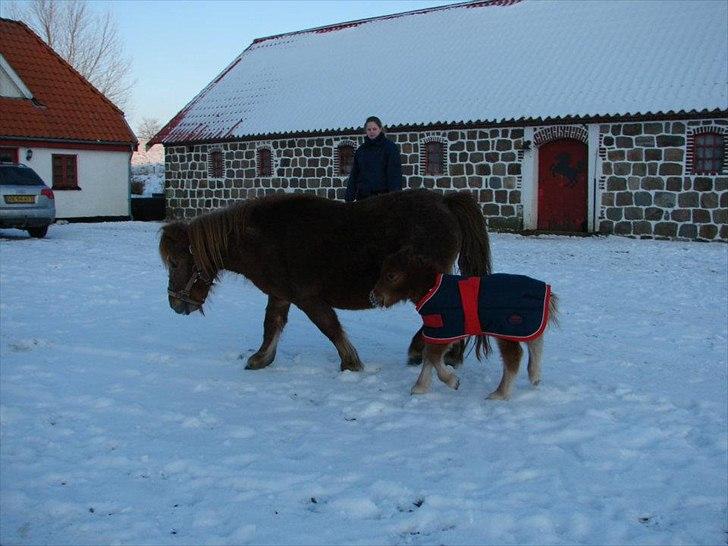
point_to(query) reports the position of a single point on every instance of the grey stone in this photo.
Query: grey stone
(665, 199)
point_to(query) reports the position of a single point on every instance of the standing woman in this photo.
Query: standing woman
(377, 166)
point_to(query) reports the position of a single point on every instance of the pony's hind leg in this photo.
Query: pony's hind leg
(535, 353)
(324, 317)
(511, 353)
(276, 316)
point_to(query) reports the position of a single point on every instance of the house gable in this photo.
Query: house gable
(11, 85)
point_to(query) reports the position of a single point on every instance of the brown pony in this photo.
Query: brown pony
(320, 254)
(407, 275)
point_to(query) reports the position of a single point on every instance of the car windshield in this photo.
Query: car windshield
(19, 176)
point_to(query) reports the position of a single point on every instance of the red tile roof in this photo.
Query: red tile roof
(67, 106)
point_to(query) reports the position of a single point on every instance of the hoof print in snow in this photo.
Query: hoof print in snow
(650, 521)
(416, 504)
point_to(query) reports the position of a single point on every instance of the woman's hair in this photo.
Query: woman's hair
(375, 119)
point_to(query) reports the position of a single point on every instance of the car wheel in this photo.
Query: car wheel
(38, 232)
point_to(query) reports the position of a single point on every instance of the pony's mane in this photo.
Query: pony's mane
(211, 233)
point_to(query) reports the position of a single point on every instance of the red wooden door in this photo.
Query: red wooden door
(562, 186)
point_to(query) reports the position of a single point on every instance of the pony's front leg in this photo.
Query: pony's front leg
(416, 348)
(443, 374)
(432, 357)
(455, 354)
(422, 385)
(324, 317)
(276, 316)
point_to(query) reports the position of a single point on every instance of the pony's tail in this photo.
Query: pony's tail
(474, 257)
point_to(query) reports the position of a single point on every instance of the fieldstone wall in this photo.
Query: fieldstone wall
(647, 189)
(644, 189)
(484, 161)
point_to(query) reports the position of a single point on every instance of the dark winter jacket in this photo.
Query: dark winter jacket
(513, 307)
(377, 168)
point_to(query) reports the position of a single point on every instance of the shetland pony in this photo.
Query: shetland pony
(407, 275)
(320, 255)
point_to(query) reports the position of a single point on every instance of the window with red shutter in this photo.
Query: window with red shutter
(434, 158)
(216, 164)
(65, 174)
(9, 155)
(708, 153)
(265, 163)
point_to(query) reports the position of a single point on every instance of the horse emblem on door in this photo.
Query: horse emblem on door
(570, 173)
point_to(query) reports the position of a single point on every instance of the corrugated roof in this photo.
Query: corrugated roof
(65, 105)
(493, 61)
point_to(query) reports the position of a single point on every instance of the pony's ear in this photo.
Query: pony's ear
(174, 237)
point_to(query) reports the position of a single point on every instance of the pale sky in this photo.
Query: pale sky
(178, 47)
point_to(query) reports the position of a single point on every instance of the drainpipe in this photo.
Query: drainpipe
(128, 183)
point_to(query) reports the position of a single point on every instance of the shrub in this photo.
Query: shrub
(137, 186)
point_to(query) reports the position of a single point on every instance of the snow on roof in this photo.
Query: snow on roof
(491, 61)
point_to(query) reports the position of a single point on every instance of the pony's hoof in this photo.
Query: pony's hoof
(258, 362)
(454, 383)
(497, 395)
(352, 366)
(418, 390)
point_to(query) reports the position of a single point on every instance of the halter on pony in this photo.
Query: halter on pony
(197, 275)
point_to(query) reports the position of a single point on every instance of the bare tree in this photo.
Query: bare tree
(88, 40)
(148, 128)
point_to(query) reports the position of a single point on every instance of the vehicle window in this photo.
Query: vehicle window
(19, 176)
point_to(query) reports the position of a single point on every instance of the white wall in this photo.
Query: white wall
(102, 176)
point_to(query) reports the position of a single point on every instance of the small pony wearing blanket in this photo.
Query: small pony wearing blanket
(514, 309)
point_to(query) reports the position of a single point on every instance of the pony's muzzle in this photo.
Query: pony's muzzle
(374, 300)
(182, 307)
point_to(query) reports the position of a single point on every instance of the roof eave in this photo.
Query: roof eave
(439, 125)
(132, 144)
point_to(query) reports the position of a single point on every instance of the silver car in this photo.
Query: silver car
(25, 201)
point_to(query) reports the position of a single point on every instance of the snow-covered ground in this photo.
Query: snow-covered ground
(124, 423)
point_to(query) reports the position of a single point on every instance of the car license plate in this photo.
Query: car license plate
(14, 199)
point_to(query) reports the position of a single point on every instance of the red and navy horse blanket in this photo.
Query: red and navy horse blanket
(512, 307)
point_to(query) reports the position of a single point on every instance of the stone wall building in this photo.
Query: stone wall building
(574, 161)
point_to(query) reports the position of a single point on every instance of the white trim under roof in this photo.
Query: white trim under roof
(15, 79)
